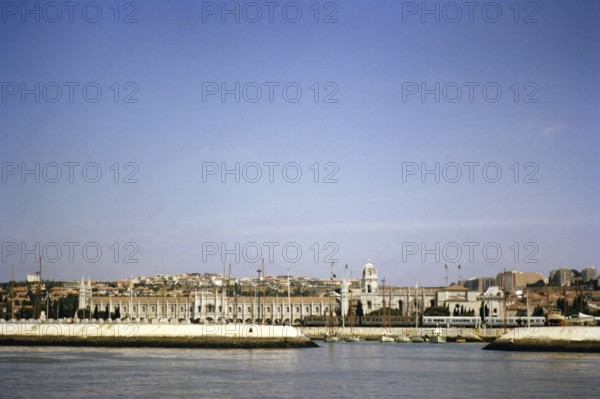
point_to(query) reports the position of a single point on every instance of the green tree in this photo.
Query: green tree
(580, 304)
(437, 311)
(538, 311)
(95, 312)
(359, 309)
(539, 283)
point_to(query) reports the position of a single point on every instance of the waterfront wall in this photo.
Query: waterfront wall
(549, 339)
(374, 333)
(160, 335)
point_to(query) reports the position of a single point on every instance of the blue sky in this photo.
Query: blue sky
(368, 58)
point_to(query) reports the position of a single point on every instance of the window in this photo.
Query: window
(249, 309)
(288, 309)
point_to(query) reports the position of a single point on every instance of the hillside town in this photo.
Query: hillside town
(286, 299)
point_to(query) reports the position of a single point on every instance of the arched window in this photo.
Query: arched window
(369, 288)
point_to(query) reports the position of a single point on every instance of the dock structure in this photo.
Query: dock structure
(549, 339)
(132, 334)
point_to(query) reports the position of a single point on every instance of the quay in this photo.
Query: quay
(374, 333)
(133, 334)
(549, 339)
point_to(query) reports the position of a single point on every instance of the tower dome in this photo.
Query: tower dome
(368, 282)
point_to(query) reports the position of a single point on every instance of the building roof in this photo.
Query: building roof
(455, 287)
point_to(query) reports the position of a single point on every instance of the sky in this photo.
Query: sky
(172, 137)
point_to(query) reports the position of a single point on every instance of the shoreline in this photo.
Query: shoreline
(129, 334)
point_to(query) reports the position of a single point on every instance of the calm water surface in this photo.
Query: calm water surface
(366, 369)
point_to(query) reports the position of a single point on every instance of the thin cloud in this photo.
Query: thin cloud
(554, 128)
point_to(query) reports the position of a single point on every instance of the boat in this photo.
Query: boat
(403, 338)
(460, 340)
(386, 338)
(332, 338)
(417, 339)
(386, 335)
(353, 337)
(332, 333)
(437, 337)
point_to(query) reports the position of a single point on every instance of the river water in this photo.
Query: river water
(358, 370)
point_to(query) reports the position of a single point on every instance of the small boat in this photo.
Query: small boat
(460, 340)
(386, 338)
(403, 338)
(437, 337)
(417, 339)
(331, 338)
(353, 338)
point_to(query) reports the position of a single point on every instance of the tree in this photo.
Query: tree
(539, 283)
(580, 304)
(359, 309)
(106, 313)
(538, 311)
(564, 305)
(437, 311)
(96, 312)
